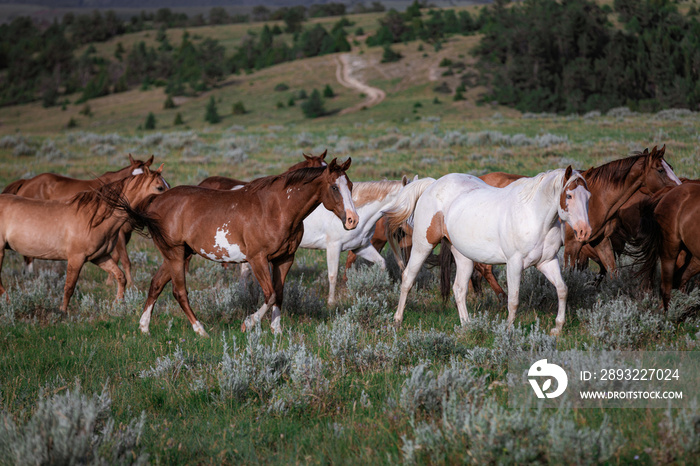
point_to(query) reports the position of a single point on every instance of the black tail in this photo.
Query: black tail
(446, 260)
(14, 187)
(645, 247)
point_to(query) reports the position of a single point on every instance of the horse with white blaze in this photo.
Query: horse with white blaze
(518, 225)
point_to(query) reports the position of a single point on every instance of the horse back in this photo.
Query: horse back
(221, 182)
(50, 186)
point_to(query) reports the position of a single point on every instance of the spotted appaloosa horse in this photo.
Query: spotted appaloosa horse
(82, 229)
(517, 225)
(260, 223)
(50, 186)
(222, 182)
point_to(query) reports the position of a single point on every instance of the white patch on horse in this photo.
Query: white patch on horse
(342, 183)
(223, 250)
(137, 171)
(145, 321)
(670, 173)
(240, 186)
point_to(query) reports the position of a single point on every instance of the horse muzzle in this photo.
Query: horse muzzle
(582, 231)
(351, 220)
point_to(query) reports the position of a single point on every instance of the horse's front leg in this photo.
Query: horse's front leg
(421, 250)
(465, 267)
(261, 271)
(280, 268)
(333, 262)
(514, 270)
(552, 271)
(606, 255)
(75, 264)
(108, 264)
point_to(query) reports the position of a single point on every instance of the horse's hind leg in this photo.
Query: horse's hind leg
(486, 271)
(552, 271)
(75, 264)
(108, 264)
(465, 267)
(421, 250)
(2, 257)
(261, 270)
(28, 265)
(158, 282)
(120, 248)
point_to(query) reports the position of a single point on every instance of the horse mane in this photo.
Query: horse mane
(613, 173)
(364, 192)
(531, 186)
(301, 176)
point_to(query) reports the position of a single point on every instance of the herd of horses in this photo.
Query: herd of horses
(635, 202)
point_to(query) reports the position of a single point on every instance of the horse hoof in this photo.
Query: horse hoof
(555, 332)
(199, 330)
(144, 330)
(247, 324)
(397, 324)
(276, 328)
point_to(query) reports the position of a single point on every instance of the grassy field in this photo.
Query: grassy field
(341, 385)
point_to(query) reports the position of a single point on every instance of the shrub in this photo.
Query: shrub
(239, 108)
(178, 119)
(328, 92)
(71, 428)
(281, 87)
(390, 55)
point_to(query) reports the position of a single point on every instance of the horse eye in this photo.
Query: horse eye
(334, 187)
(569, 196)
(160, 188)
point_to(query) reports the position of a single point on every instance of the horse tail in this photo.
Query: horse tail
(401, 213)
(646, 246)
(140, 219)
(14, 187)
(446, 260)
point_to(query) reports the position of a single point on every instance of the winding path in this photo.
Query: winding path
(343, 73)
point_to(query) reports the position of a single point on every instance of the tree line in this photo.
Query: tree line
(537, 55)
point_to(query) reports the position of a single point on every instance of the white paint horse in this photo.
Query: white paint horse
(517, 225)
(322, 230)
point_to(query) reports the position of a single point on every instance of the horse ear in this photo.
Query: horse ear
(346, 165)
(131, 160)
(404, 180)
(567, 173)
(307, 157)
(415, 178)
(149, 161)
(160, 169)
(333, 165)
(323, 156)
(662, 151)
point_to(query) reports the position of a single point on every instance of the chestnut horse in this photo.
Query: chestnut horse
(80, 230)
(50, 186)
(222, 182)
(260, 223)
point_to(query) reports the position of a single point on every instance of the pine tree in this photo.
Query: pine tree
(328, 92)
(212, 115)
(178, 120)
(150, 121)
(313, 107)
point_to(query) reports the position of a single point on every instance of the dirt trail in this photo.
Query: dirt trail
(347, 64)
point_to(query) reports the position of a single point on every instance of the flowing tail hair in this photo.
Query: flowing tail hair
(445, 259)
(14, 187)
(646, 246)
(401, 213)
(140, 218)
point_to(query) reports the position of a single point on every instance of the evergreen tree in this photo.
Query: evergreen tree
(328, 92)
(178, 119)
(313, 107)
(212, 115)
(150, 121)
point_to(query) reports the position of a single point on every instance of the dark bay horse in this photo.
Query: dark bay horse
(50, 186)
(669, 233)
(260, 223)
(222, 182)
(82, 229)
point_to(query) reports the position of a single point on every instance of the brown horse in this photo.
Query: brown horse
(50, 186)
(222, 182)
(80, 230)
(669, 232)
(260, 223)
